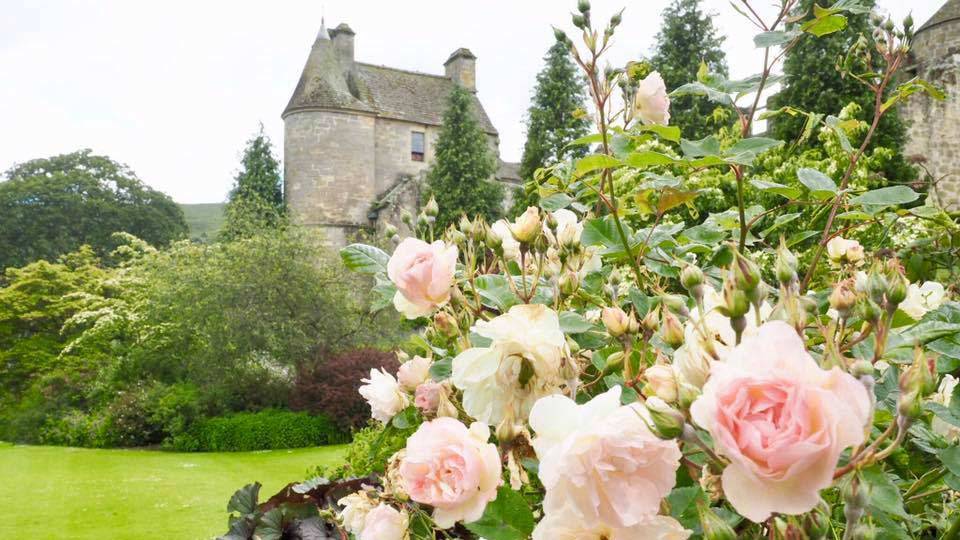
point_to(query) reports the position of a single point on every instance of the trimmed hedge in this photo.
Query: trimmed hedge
(263, 430)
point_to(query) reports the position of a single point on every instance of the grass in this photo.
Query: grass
(79, 494)
(204, 220)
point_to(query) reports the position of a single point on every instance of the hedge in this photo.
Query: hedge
(263, 430)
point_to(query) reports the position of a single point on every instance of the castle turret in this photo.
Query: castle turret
(461, 67)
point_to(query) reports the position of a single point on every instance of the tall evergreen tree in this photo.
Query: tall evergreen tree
(552, 120)
(256, 200)
(811, 86)
(687, 37)
(460, 178)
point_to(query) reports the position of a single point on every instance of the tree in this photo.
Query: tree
(52, 206)
(460, 178)
(552, 120)
(812, 84)
(256, 200)
(687, 37)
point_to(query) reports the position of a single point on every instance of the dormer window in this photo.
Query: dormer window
(418, 145)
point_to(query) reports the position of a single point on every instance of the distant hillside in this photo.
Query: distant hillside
(204, 219)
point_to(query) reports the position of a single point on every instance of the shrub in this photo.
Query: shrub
(369, 451)
(330, 385)
(263, 430)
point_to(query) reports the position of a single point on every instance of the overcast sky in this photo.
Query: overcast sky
(174, 88)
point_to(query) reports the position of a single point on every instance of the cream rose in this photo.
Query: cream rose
(384, 395)
(451, 468)
(840, 249)
(423, 274)
(599, 462)
(565, 526)
(527, 337)
(356, 506)
(781, 420)
(385, 523)
(511, 248)
(923, 298)
(413, 372)
(943, 396)
(651, 103)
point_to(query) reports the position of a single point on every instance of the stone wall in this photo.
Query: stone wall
(934, 126)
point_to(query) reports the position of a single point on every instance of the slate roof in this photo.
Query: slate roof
(389, 92)
(949, 12)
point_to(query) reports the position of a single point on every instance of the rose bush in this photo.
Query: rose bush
(579, 375)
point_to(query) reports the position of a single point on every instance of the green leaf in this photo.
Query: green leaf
(648, 158)
(757, 145)
(911, 87)
(773, 187)
(700, 89)
(839, 127)
(888, 196)
(882, 493)
(800, 237)
(819, 184)
(670, 133)
(364, 259)
(572, 322)
(780, 221)
(950, 456)
(772, 39)
(441, 369)
(594, 162)
(495, 292)
(601, 232)
(672, 198)
(587, 140)
(244, 500)
(824, 25)
(555, 202)
(508, 517)
(707, 146)
(406, 418)
(270, 526)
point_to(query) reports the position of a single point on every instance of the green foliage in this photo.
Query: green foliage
(256, 200)
(687, 37)
(367, 453)
(52, 206)
(555, 119)
(204, 220)
(263, 430)
(812, 83)
(508, 517)
(461, 177)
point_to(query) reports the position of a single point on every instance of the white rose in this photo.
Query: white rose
(526, 337)
(385, 523)
(943, 396)
(840, 249)
(651, 102)
(413, 372)
(568, 228)
(511, 248)
(923, 298)
(565, 526)
(384, 395)
(356, 506)
(526, 227)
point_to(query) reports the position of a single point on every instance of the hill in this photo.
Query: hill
(204, 220)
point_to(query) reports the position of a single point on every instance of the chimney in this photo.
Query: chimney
(461, 67)
(342, 37)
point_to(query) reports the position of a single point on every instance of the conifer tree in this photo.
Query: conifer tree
(687, 37)
(552, 120)
(256, 200)
(812, 86)
(461, 177)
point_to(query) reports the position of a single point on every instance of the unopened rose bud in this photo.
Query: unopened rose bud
(481, 230)
(876, 285)
(671, 330)
(551, 222)
(457, 237)
(616, 19)
(569, 238)
(661, 383)
(615, 320)
(921, 377)
(897, 289)
(687, 394)
(675, 303)
(758, 295)
(559, 35)
(745, 272)
(816, 524)
(389, 231)
(583, 6)
(494, 242)
(868, 310)
(569, 283)
(423, 220)
(714, 526)
(855, 253)
(432, 208)
(527, 227)
(786, 264)
(406, 217)
(446, 324)
(691, 276)
(735, 301)
(579, 21)
(650, 321)
(861, 368)
(465, 226)
(843, 298)
(667, 421)
(614, 361)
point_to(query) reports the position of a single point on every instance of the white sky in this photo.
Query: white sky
(174, 88)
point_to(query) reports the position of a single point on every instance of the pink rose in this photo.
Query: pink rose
(651, 102)
(427, 397)
(600, 461)
(566, 526)
(423, 274)
(413, 372)
(384, 523)
(451, 468)
(781, 420)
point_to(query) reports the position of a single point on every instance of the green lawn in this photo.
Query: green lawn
(72, 493)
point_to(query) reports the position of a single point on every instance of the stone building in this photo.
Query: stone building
(934, 126)
(359, 138)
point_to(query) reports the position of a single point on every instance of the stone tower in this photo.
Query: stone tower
(934, 132)
(358, 137)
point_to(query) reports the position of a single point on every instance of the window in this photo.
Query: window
(418, 145)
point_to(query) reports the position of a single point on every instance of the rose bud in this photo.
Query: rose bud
(615, 320)
(667, 420)
(786, 265)
(432, 208)
(714, 527)
(661, 382)
(671, 330)
(527, 227)
(745, 272)
(843, 298)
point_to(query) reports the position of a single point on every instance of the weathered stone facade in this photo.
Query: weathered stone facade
(349, 161)
(934, 126)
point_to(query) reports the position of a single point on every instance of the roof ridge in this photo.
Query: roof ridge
(408, 71)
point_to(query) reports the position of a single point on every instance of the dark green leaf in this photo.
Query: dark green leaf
(495, 292)
(773, 187)
(819, 184)
(950, 456)
(757, 145)
(882, 493)
(555, 202)
(708, 146)
(244, 500)
(364, 259)
(406, 418)
(888, 196)
(441, 369)
(508, 517)
(572, 322)
(270, 526)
